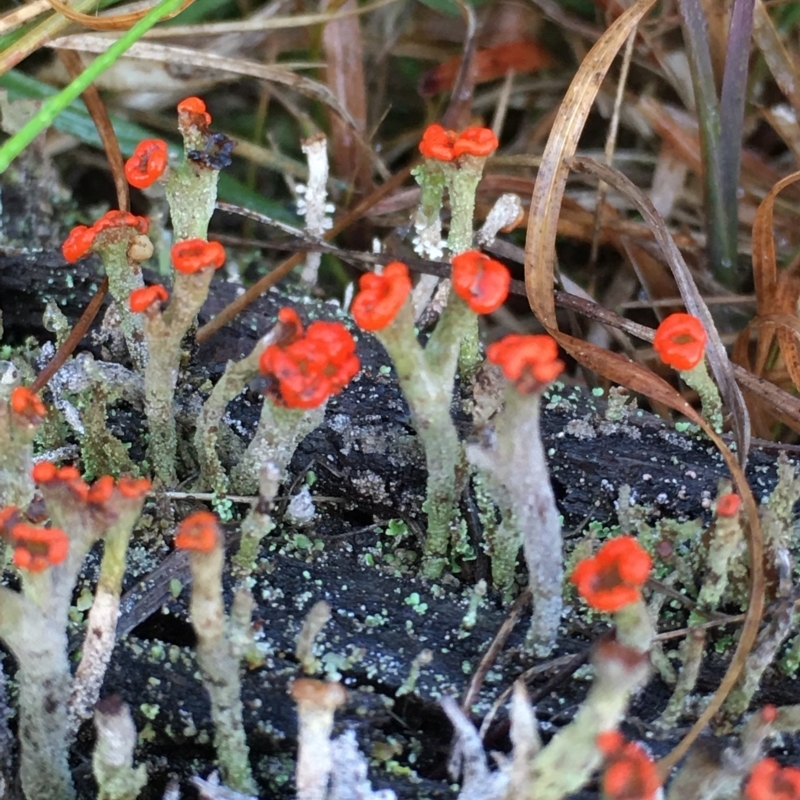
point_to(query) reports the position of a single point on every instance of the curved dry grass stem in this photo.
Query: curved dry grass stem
(119, 22)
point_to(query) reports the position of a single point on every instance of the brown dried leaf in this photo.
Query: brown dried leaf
(552, 178)
(721, 367)
(765, 270)
(344, 56)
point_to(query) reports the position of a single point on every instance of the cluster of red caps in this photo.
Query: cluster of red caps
(149, 160)
(308, 366)
(26, 405)
(769, 781)
(35, 548)
(480, 281)
(530, 361)
(82, 237)
(441, 144)
(96, 494)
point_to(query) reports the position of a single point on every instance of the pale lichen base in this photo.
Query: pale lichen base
(277, 435)
(112, 759)
(569, 760)
(40, 648)
(219, 669)
(513, 461)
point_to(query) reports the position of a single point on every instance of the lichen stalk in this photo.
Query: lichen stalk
(112, 759)
(124, 276)
(316, 703)
(233, 381)
(710, 400)
(219, 668)
(191, 194)
(514, 463)
(566, 764)
(277, 435)
(427, 386)
(101, 624)
(16, 445)
(164, 334)
(39, 646)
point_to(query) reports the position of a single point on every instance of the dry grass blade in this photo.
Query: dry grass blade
(171, 54)
(552, 178)
(458, 109)
(780, 63)
(13, 19)
(47, 29)
(715, 350)
(118, 22)
(765, 269)
(344, 57)
(263, 23)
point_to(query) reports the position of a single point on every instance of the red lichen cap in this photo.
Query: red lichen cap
(133, 488)
(78, 243)
(475, 141)
(728, 505)
(199, 531)
(45, 472)
(681, 341)
(437, 143)
(195, 107)
(612, 579)
(441, 144)
(306, 371)
(481, 281)
(630, 772)
(147, 164)
(770, 781)
(26, 404)
(530, 361)
(101, 491)
(192, 255)
(143, 298)
(121, 219)
(381, 296)
(36, 549)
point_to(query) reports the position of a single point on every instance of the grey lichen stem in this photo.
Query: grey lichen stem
(514, 463)
(219, 668)
(568, 761)
(39, 646)
(164, 333)
(233, 381)
(112, 760)
(710, 400)
(427, 386)
(692, 652)
(462, 177)
(191, 194)
(124, 276)
(277, 435)
(101, 625)
(16, 445)
(257, 524)
(316, 704)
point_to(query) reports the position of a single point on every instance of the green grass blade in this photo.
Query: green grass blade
(53, 106)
